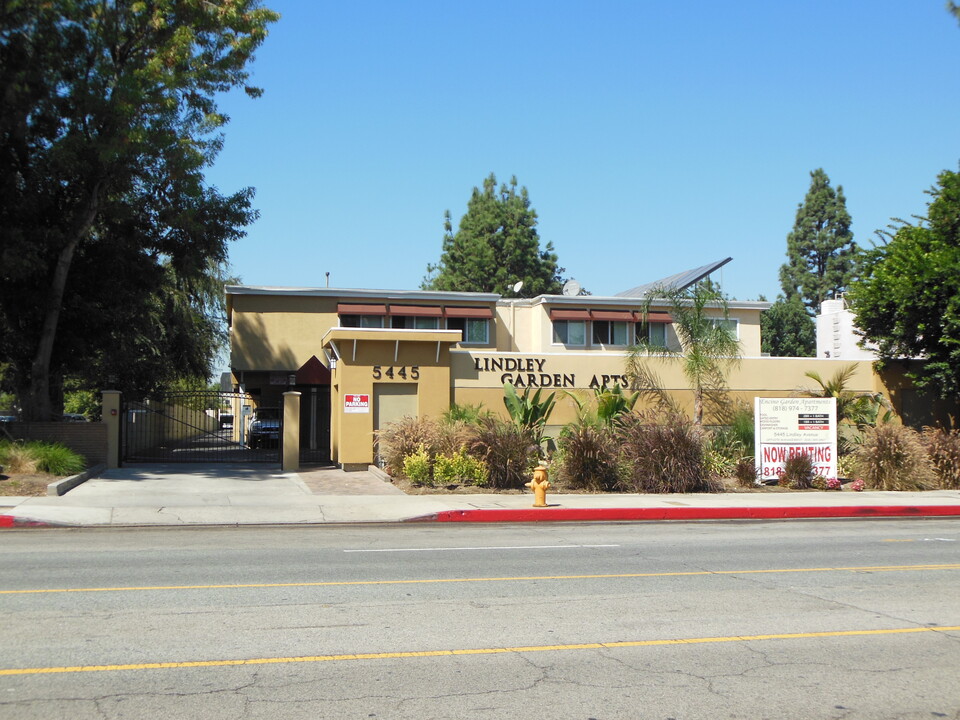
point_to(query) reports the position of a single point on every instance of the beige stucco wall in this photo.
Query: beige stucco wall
(278, 333)
(478, 377)
(364, 358)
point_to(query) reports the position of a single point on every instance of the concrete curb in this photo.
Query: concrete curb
(61, 487)
(10, 521)
(555, 514)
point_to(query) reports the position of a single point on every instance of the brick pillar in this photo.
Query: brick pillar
(112, 415)
(290, 442)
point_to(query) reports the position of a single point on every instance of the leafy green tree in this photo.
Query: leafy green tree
(821, 253)
(107, 122)
(786, 330)
(495, 246)
(907, 301)
(707, 352)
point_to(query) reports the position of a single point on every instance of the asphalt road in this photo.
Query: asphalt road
(827, 619)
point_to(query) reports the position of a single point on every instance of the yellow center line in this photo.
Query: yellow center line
(468, 651)
(516, 578)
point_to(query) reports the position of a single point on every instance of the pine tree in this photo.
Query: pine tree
(787, 331)
(495, 246)
(821, 253)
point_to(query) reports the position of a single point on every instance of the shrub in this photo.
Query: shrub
(857, 486)
(892, 457)
(797, 472)
(587, 457)
(845, 466)
(466, 413)
(718, 464)
(746, 472)
(509, 452)
(819, 482)
(943, 447)
(36, 456)
(15, 458)
(416, 466)
(834, 484)
(663, 456)
(397, 440)
(458, 468)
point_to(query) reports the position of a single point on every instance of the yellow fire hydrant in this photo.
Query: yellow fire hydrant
(539, 485)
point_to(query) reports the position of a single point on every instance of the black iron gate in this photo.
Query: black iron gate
(202, 426)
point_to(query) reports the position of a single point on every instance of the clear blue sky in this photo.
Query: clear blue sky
(652, 136)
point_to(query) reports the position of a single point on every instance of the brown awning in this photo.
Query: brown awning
(348, 309)
(569, 314)
(468, 312)
(625, 315)
(654, 317)
(416, 310)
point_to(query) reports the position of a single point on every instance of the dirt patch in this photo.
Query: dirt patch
(25, 484)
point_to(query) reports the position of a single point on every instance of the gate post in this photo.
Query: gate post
(290, 442)
(113, 417)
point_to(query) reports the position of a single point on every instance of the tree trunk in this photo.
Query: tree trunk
(36, 401)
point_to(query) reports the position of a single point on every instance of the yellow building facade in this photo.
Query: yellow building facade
(363, 358)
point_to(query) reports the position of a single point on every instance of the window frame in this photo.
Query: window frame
(465, 331)
(565, 340)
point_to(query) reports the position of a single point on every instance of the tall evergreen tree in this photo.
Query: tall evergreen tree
(787, 331)
(495, 246)
(821, 253)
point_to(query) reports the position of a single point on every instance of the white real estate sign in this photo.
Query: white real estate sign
(785, 427)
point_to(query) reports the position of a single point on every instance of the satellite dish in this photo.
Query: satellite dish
(571, 288)
(517, 286)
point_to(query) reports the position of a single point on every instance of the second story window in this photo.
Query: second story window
(405, 322)
(654, 334)
(474, 331)
(570, 332)
(609, 332)
(731, 325)
(361, 321)
(472, 322)
(358, 315)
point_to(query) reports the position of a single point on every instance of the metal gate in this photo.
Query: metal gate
(200, 427)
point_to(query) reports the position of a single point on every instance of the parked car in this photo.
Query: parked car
(226, 421)
(74, 417)
(264, 427)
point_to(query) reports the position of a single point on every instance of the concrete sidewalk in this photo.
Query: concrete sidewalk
(158, 495)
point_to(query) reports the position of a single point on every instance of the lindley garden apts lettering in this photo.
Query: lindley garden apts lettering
(531, 372)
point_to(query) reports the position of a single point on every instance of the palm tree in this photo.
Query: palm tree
(856, 408)
(708, 351)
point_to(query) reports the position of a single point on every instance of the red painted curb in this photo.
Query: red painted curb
(556, 514)
(9, 521)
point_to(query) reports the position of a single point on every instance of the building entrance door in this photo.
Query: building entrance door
(390, 403)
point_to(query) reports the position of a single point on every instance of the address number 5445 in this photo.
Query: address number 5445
(402, 372)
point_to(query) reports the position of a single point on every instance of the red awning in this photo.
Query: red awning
(416, 310)
(625, 315)
(569, 314)
(654, 317)
(468, 312)
(343, 309)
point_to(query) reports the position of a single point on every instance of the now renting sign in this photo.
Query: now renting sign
(785, 427)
